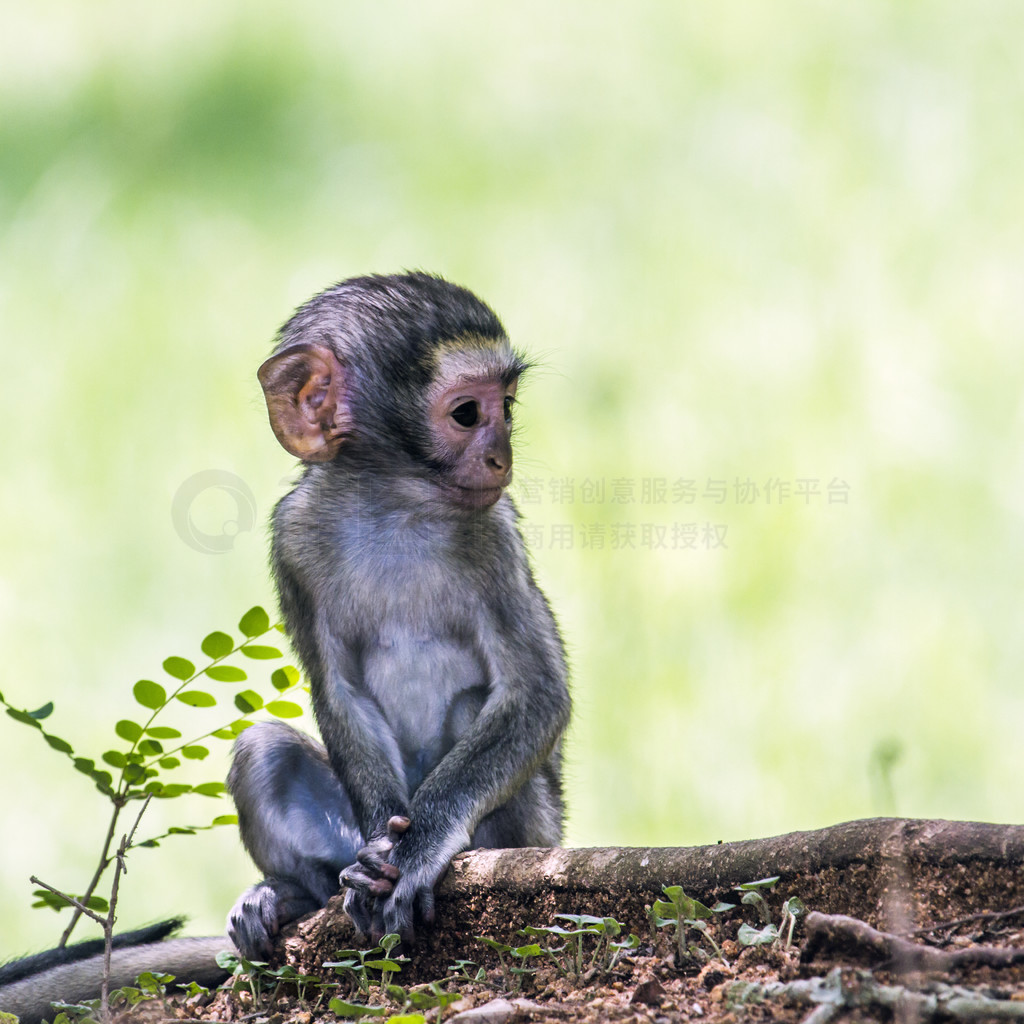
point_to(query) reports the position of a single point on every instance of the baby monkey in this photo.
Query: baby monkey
(437, 672)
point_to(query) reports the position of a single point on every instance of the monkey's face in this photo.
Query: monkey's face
(470, 420)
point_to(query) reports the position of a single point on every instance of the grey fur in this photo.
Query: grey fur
(437, 672)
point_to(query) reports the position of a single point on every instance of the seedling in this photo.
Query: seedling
(684, 912)
(460, 969)
(247, 974)
(768, 933)
(573, 946)
(791, 910)
(524, 954)
(346, 1009)
(499, 947)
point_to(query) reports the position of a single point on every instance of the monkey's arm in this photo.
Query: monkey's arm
(514, 733)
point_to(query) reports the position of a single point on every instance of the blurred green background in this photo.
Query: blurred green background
(777, 245)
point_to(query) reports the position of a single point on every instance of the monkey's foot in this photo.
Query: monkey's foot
(262, 910)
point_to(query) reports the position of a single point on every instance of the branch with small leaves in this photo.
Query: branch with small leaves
(142, 765)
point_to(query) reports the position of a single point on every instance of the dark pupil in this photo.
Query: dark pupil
(466, 414)
(508, 408)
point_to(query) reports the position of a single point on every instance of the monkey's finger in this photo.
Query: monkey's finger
(398, 824)
(425, 905)
(355, 877)
(374, 858)
(356, 907)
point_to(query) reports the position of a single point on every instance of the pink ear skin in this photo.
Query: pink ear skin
(305, 391)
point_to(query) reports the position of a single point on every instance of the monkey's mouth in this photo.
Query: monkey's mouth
(473, 497)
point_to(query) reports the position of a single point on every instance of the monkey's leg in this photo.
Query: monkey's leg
(296, 822)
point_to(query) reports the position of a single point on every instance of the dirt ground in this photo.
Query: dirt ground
(769, 982)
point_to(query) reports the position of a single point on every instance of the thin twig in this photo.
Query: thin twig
(108, 925)
(80, 907)
(98, 874)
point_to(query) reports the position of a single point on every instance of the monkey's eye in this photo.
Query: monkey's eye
(507, 407)
(466, 415)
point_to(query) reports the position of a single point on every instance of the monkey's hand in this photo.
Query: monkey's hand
(261, 910)
(371, 877)
(422, 858)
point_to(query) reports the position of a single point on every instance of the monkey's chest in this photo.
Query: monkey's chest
(429, 690)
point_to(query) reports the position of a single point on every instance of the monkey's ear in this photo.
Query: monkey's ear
(305, 391)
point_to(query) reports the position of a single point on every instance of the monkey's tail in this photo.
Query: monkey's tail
(73, 974)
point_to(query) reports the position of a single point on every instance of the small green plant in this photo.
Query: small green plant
(768, 933)
(499, 947)
(571, 957)
(523, 955)
(683, 913)
(140, 767)
(356, 964)
(572, 938)
(460, 971)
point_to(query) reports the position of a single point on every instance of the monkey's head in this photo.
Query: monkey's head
(406, 374)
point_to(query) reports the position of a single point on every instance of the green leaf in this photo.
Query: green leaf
(58, 744)
(761, 883)
(384, 965)
(24, 717)
(254, 622)
(227, 674)
(104, 782)
(150, 748)
(149, 694)
(533, 949)
(210, 789)
(163, 732)
(343, 1009)
(284, 709)
(195, 752)
(197, 699)
(85, 765)
(407, 1018)
(44, 712)
(750, 936)
(134, 773)
(217, 645)
(128, 730)
(179, 668)
(170, 791)
(283, 678)
(50, 900)
(248, 701)
(721, 908)
(498, 947)
(225, 819)
(223, 734)
(418, 1000)
(666, 910)
(795, 906)
(261, 653)
(169, 762)
(227, 961)
(115, 759)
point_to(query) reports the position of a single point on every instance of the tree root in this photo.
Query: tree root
(846, 936)
(849, 990)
